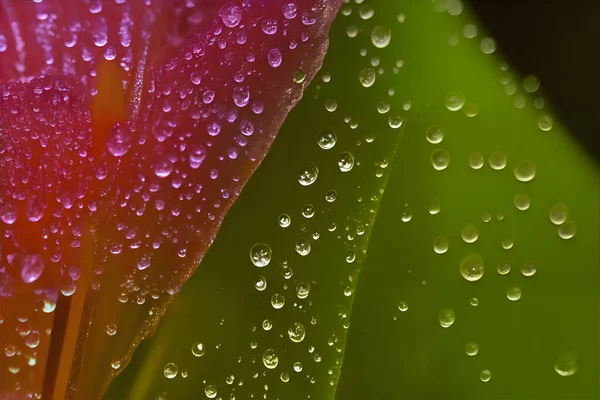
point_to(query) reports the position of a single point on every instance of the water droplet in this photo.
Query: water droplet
(162, 169)
(308, 174)
(118, 140)
(308, 211)
(440, 159)
(545, 122)
(269, 26)
(558, 214)
(290, 11)
(522, 202)
(381, 36)
(367, 77)
(260, 255)
(474, 301)
(274, 58)
(32, 267)
(472, 267)
(531, 83)
(260, 283)
(565, 363)
(111, 330)
(299, 76)
(503, 268)
(285, 377)
(567, 230)
(446, 317)
(9, 214)
(170, 371)
(277, 301)
(267, 325)
(471, 349)
(303, 246)
(435, 134)
(454, 101)
(513, 293)
(525, 171)
(497, 160)
(198, 349)
(330, 196)
(476, 160)
(210, 391)
(528, 269)
(3, 44)
(395, 121)
(345, 161)
(403, 306)
(298, 366)
(470, 233)
(241, 95)
(303, 290)
(284, 220)
(485, 375)
(297, 332)
(270, 359)
(488, 45)
(231, 15)
(440, 245)
(366, 12)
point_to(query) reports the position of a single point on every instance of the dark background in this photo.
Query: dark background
(559, 41)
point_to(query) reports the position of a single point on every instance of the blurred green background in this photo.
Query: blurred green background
(438, 58)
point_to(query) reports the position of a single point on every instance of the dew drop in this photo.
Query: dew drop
(303, 247)
(525, 171)
(497, 160)
(303, 290)
(284, 220)
(513, 293)
(403, 306)
(297, 332)
(434, 134)
(476, 160)
(545, 123)
(274, 58)
(308, 174)
(567, 230)
(565, 363)
(446, 317)
(270, 359)
(528, 269)
(522, 202)
(260, 283)
(210, 391)
(277, 301)
(472, 267)
(440, 159)
(558, 214)
(198, 349)
(367, 77)
(345, 161)
(485, 375)
(170, 370)
(471, 349)
(260, 255)
(381, 36)
(118, 140)
(440, 245)
(231, 15)
(454, 101)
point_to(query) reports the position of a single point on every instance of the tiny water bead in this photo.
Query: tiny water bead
(472, 267)
(406, 216)
(497, 160)
(434, 134)
(565, 363)
(260, 283)
(345, 161)
(470, 233)
(284, 220)
(381, 36)
(331, 105)
(297, 366)
(367, 77)
(474, 301)
(111, 330)
(303, 246)
(170, 370)
(267, 325)
(525, 171)
(330, 196)
(308, 174)
(403, 306)
(270, 359)
(308, 211)
(454, 101)
(285, 377)
(471, 348)
(260, 255)
(485, 375)
(446, 317)
(507, 244)
(513, 293)
(522, 202)
(440, 245)
(558, 214)
(198, 349)
(434, 207)
(528, 269)
(476, 160)
(567, 230)
(440, 159)
(297, 332)
(327, 140)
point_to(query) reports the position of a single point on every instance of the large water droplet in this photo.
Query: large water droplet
(565, 363)
(434, 134)
(440, 159)
(308, 174)
(32, 267)
(231, 15)
(274, 58)
(525, 171)
(170, 370)
(471, 348)
(327, 140)
(270, 359)
(297, 332)
(485, 375)
(446, 317)
(558, 214)
(567, 230)
(367, 77)
(345, 161)
(497, 160)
